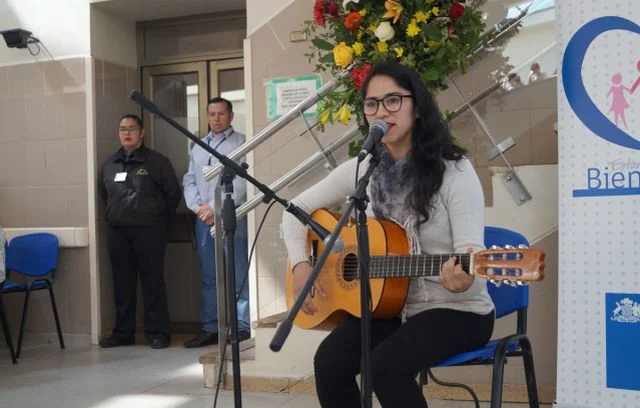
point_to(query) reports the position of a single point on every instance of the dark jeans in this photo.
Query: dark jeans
(207, 253)
(399, 352)
(134, 250)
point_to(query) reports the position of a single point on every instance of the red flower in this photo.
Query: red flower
(318, 13)
(332, 9)
(450, 31)
(353, 21)
(359, 75)
(456, 10)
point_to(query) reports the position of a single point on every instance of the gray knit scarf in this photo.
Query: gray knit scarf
(390, 200)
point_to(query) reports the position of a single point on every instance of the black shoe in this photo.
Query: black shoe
(113, 341)
(243, 335)
(202, 339)
(159, 343)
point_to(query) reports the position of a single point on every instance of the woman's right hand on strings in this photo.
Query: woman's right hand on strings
(301, 273)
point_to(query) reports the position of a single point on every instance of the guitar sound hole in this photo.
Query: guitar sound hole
(350, 270)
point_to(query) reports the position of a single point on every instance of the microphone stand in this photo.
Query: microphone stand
(232, 169)
(360, 201)
(229, 221)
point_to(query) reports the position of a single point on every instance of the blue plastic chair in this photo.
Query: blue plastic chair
(507, 300)
(34, 256)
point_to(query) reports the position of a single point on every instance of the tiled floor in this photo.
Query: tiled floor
(133, 376)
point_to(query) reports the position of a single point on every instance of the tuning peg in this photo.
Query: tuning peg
(508, 246)
(523, 246)
(495, 247)
(520, 283)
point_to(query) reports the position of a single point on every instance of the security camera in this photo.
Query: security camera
(17, 38)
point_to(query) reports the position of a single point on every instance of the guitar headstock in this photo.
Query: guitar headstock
(514, 266)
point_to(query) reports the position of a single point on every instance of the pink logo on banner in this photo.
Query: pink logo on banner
(619, 102)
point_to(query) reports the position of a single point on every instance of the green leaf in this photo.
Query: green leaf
(431, 75)
(431, 32)
(322, 44)
(326, 59)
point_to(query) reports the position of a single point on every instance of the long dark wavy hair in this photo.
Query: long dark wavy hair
(431, 141)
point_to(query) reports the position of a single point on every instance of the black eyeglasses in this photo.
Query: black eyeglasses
(392, 103)
(128, 130)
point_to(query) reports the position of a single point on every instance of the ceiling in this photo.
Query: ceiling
(142, 10)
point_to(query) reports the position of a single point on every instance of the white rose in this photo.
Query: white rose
(385, 32)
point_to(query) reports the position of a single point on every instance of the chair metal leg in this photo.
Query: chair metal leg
(529, 372)
(23, 320)
(7, 331)
(55, 314)
(422, 377)
(498, 375)
(456, 385)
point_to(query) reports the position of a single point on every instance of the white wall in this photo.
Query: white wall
(261, 11)
(62, 25)
(529, 42)
(113, 38)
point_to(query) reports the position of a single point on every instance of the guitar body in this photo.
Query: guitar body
(343, 290)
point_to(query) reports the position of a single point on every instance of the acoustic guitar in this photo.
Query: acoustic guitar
(390, 268)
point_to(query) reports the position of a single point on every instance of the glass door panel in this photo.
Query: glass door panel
(227, 81)
(180, 92)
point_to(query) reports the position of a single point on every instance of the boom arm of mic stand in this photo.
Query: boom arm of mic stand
(285, 327)
(269, 194)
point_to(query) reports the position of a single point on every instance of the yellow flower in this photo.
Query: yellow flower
(323, 117)
(435, 11)
(372, 27)
(413, 29)
(383, 46)
(358, 48)
(399, 51)
(432, 43)
(394, 9)
(360, 34)
(342, 55)
(343, 115)
(421, 16)
(363, 12)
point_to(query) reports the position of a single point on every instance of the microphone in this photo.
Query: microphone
(324, 235)
(377, 130)
(142, 100)
(320, 231)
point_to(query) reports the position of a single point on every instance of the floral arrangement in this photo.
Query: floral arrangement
(436, 37)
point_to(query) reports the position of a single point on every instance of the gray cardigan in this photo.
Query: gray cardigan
(456, 223)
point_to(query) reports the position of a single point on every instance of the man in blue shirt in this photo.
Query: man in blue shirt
(198, 195)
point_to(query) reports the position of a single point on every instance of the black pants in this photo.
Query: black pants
(134, 250)
(399, 352)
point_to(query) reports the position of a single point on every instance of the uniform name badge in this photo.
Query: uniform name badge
(120, 177)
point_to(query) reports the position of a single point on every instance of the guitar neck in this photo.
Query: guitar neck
(413, 265)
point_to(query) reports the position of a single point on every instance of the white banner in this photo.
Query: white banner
(599, 197)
